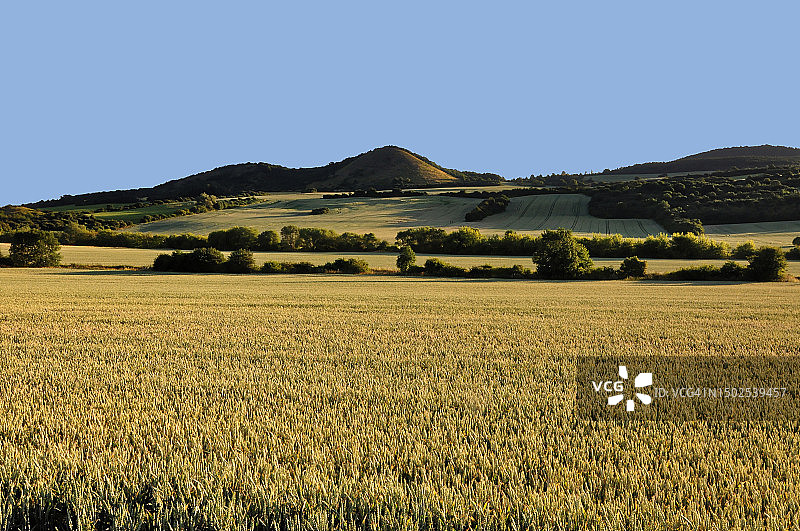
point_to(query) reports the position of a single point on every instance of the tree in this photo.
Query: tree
(743, 251)
(353, 266)
(406, 259)
(768, 263)
(240, 261)
(290, 234)
(558, 255)
(205, 260)
(34, 248)
(233, 238)
(269, 240)
(633, 267)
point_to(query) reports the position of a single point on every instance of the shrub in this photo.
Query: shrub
(352, 266)
(437, 268)
(743, 251)
(796, 241)
(767, 264)
(34, 248)
(269, 240)
(205, 260)
(558, 255)
(273, 267)
(233, 238)
(302, 268)
(703, 272)
(632, 267)
(164, 262)
(487, 207)
(321, 210)
(793, 253)
(406, 259)
(240, 261)
(730, 270)
(602, 273)
(689, 245)
(4, 260)
(487, 271)
(185, 241)
(290, 234)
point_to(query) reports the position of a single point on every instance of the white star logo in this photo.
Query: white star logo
(643, 379)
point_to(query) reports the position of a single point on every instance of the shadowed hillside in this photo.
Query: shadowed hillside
(720, 160)
(382, 168)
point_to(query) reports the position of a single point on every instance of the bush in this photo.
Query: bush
(302, 268)
(164, 262)
(352, 266)
(34, 248)
(318, 211)
(703, 272)
(767, 264)
(205, 260)
(487, 207)
(793, 254)
(406, 259)
(689, 245)
(269, 240)
(4, 260)
(558, 255)
(185, 241)
(796, 241)
(273, 267)
(233, 238)
(602, 273)
(487, 271)
(437, 268)
(632, 267)
(743, 251)
(240, 261)
(730, 270)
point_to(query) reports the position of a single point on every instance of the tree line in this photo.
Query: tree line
(557, 255)
(467, 240)
(430, 240)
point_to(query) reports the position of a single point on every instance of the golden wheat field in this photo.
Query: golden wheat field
(133, 400)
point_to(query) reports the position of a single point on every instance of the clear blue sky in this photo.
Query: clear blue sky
(101, 95)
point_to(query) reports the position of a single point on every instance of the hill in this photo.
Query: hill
(382, 168)
(719, 160)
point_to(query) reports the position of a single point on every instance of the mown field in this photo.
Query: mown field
(777, 233)
(225, 402)
(386, 216)
(115, 256)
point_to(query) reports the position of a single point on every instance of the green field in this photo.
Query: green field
(115, 256)
(132, 215)
(386, 216)
(225, 402)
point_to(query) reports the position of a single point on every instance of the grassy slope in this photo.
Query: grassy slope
(133, 214)
(779, 233)
(332, 396)
(385, 217)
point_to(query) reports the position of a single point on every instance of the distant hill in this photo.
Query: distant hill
(382, 168)
(720, 160)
